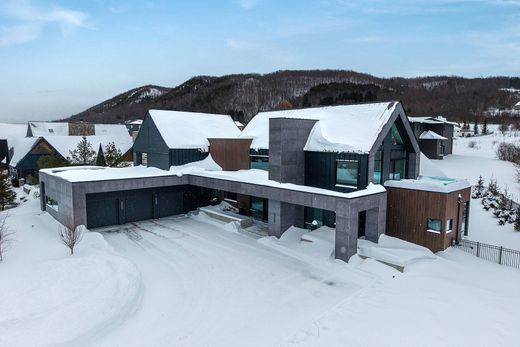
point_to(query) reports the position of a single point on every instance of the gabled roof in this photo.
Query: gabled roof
(431, 135)
(64, 144)
(346, 128)
(191, 130)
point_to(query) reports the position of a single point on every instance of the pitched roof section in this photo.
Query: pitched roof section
(62, 129)
(12, 132)
(48, 129)
(191, 130)
(431, 135)
(347, 128)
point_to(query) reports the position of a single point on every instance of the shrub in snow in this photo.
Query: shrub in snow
(70, 237)
(472, 144)
(51, 161)
(493, 189)
(5, 237)
(508, 152)
(503, 128)
(7, 194)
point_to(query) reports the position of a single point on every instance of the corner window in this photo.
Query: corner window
(449, 226)
(260, 162)
(434, 225)
(347, 173)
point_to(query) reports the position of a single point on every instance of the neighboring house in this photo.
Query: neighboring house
(172, 138)
(434, 134)
(9, 134)
(325, 166)
(30, 149)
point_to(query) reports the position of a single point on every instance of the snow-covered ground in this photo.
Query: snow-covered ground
(483, 227)
(193, 281)
(480, 160)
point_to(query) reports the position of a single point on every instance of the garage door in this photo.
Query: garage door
(168, 203)
(138, 205)
(102, 212)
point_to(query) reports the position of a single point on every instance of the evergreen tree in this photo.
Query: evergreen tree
(492, 188)
(100, 159)
(517, 219)
(475, 127)
(485, 130)
(478, 191)
(112, 155)
(7, 194)
(83, 154)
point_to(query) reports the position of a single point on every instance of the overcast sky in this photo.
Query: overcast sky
(60, 57)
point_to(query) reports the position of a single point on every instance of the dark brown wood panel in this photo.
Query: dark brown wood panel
(408, 211)
(230, 154)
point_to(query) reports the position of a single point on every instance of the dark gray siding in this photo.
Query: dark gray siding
(320, 169)
(150, 141)
(185, 156)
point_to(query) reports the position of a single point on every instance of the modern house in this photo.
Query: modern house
(296, 167)
(434, 134)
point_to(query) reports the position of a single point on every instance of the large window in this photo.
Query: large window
(434, 225)
(378, 165)
(398, 164)
(465, 215)
(260, 162)
(398, 155)
(347, 173)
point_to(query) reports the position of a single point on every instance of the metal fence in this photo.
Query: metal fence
(496, 254)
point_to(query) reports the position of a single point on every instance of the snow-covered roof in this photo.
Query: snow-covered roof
(204, 168)
(135, 122)
(346, 128)
(12, 132)
(21, 147)
(431, 120)
(64, 144)
(39, 129)
(517, 104)
(49, 129)
(431, 135)
(430, 184)
(191, 129)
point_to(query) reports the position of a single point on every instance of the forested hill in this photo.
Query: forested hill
(244, 95)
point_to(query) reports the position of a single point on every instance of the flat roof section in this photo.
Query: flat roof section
(431, 184)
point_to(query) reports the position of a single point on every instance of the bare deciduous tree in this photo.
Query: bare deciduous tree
(5, 237)
(71, 236)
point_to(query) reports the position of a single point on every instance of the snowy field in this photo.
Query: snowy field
(193, 281)
(481, 160)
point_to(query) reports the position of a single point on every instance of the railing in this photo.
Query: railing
(496, 254)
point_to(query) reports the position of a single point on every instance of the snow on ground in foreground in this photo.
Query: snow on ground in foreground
(483, 227)
(205, 285)
(470, 163)
(48, 297)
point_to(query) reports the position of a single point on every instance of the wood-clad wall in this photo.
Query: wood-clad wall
(408, 211)
(230, 154)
